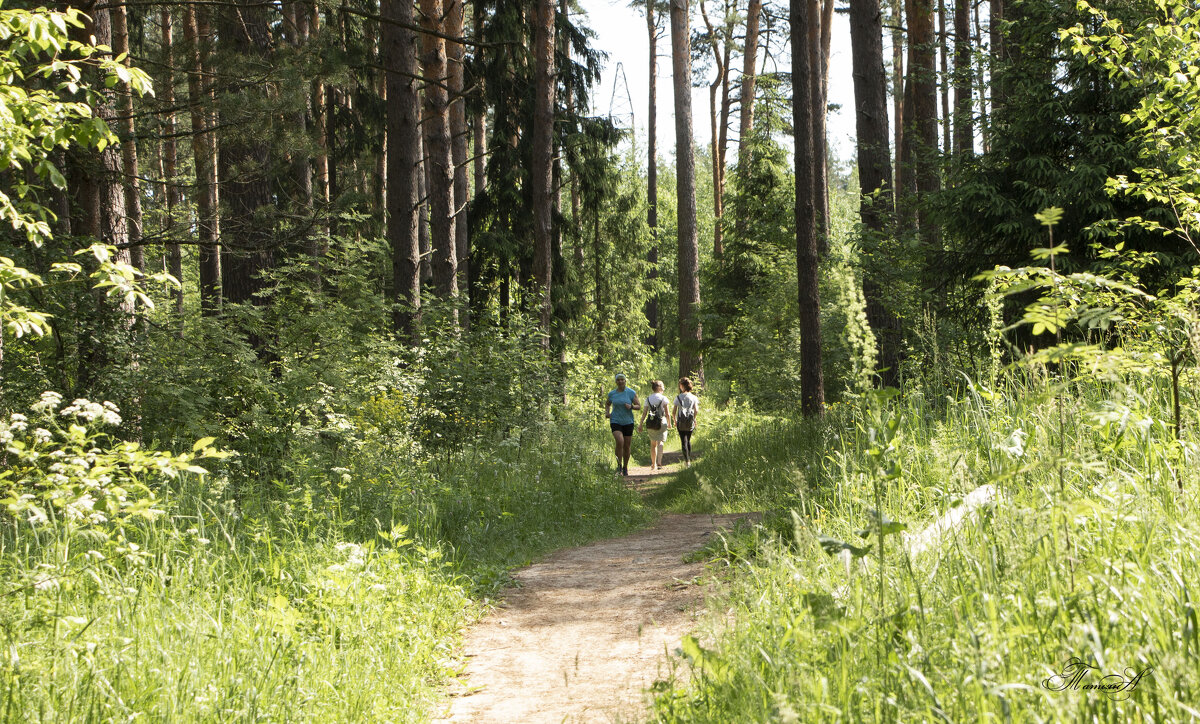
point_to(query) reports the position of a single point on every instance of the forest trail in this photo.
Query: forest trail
(587, 630)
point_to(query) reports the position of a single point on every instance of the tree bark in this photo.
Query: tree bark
(898, 89)
(749, 76)
(874, 169)
(812, 386)
(542, 173)
(423, 208)
(714, 47)
(244, 159)
(128, 131)
(206, 168)
(459, 134)
(320, 126)
(651, 172)
(921, 135)
(996, 17)
(691, 362)
(964, 124)
(439, 155)
(399, 47)
(170, 156)
(820, 34)
(722, 145)
(981, 82)
(944, 80)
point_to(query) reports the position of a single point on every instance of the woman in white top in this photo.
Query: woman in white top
(684, 417)
(656, 411)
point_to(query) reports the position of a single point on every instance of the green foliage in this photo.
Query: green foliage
(67, 475)
(41, 70)
(1154, 57)
(1059, 134)
(754, 314)
(44, 109)
(971, 628)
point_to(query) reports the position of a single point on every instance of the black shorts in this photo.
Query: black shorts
(626, 430)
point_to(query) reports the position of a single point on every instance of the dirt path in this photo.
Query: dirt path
(588, 629)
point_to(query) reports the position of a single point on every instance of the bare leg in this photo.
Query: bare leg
(653, 453)
(619, 440)
(628, 448)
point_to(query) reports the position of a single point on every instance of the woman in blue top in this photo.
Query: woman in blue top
(619, 410)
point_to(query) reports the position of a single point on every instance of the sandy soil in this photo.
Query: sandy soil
(587, 630)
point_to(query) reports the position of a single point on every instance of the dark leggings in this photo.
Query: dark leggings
(685, 444)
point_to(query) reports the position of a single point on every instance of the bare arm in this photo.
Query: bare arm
(636, 404)
(608, 408)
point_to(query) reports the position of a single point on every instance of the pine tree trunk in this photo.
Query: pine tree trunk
(423, 241)
(246, 251)
(944, 84)
(874, 169)
(95, 179)
(439, 155)
(459, 138)
(921, 135)
(651, 173)
(723, 142)
(542, 173)
(479, 155)
(996, 17)
(749, 71)
(820, 14)
(964, 124)
(713, 90)
(898, 92)
(690, 360)
(320, 126)
(812, 387)
(981, 83)
(128, 132)
(399, 50)
(206, 168)
(170, 156)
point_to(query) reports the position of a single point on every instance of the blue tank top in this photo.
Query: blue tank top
(619, 399)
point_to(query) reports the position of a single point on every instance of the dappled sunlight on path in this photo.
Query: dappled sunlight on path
(584, 632)
(643, 480)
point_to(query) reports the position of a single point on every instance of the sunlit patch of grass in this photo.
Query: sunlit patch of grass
(1099, 566)
(340, 599)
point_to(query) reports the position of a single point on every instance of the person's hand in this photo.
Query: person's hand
(607, 414)
(628, 406)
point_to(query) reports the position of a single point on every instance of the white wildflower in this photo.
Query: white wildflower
(18, 422)
(41, 434)
(378, 587)
(49, 401)
(336, 568)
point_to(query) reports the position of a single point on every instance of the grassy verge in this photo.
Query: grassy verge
(1091, 552)
(338, 599)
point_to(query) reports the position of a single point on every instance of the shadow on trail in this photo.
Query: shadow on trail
(647, 482)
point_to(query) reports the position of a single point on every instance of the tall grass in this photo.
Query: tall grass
(339, 598)
(1092, 551)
